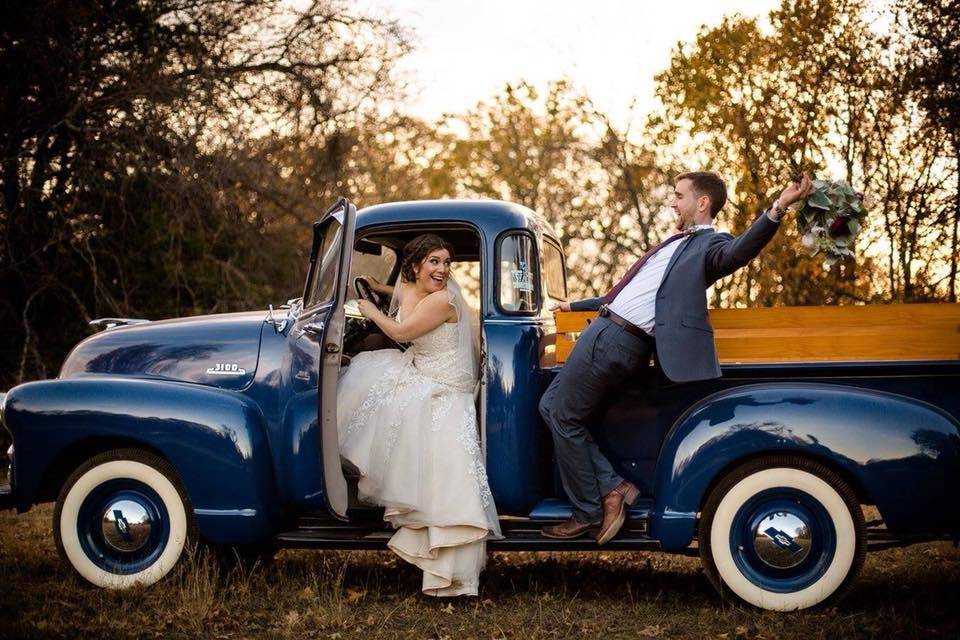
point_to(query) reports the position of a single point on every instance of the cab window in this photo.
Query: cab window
(517, 287)
(554, 274)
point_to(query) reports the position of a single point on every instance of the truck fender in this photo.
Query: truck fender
(214, 439)
(898, 453)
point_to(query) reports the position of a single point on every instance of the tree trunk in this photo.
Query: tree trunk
(952, 286)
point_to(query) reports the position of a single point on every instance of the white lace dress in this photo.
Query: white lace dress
(408, 423)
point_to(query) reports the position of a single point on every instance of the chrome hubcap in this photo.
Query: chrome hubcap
(782, 539)
(127, 525)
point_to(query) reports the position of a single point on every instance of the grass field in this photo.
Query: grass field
(903, 593)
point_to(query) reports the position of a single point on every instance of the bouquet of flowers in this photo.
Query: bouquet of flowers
(830, 219)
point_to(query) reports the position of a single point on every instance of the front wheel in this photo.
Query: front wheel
(782, 533)
(123, 519)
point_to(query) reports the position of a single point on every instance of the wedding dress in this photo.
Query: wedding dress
(408, 423)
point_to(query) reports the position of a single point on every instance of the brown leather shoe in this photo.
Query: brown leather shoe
(569, 529)
(615, 510)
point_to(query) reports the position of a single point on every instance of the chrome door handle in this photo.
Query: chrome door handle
(314, 329)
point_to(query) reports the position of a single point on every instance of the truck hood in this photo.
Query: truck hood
(217, 350)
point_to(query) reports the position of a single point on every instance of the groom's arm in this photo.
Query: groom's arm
(589, 304)
(727, 253)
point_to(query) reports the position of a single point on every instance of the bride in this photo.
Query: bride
(409, 424)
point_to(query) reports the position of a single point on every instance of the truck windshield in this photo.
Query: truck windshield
(323, 279)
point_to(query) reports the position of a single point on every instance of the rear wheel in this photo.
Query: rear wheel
(123, 519)
(782, 533)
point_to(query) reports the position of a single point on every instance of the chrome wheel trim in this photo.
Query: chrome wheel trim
(127, 524)
(782, 539)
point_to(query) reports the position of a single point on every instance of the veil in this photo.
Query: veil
(468, 338)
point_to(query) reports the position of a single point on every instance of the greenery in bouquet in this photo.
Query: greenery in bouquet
(830, 219)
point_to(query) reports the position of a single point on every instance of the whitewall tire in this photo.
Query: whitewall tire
(782, 533)
(123, 519)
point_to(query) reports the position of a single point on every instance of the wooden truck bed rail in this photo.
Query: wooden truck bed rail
(816, 334)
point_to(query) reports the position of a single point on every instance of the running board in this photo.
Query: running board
(332, 538)
(518, 536)
(554, 510)
(880, 539)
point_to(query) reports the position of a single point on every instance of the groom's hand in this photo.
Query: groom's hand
(560, 306)
(797, 191)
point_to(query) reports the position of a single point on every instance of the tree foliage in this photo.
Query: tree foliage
(147, 161)
(817, 89)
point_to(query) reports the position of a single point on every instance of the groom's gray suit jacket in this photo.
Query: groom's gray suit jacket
(684, 337)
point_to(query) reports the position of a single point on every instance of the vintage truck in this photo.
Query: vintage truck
(222, 429)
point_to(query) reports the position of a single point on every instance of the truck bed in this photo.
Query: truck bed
(893, 332)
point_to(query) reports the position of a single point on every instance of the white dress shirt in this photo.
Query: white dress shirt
(636, 302)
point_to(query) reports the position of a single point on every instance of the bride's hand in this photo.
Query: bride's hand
(375, 284)
(366, 308)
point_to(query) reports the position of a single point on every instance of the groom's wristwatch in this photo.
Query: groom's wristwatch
(776, 212)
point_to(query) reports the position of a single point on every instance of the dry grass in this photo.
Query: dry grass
(909, 593)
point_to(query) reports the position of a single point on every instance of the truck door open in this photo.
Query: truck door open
(322, 323)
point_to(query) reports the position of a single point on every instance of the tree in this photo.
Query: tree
(814, 90)
(560, 156)
(143, 171)
(930, 57)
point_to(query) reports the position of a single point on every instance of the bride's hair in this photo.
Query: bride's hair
(419, 248)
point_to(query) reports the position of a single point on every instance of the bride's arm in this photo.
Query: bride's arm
(432, 311)
(379, 287)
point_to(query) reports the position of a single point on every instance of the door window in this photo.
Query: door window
(518, 290)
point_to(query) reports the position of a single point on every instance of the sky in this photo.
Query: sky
(466, 50)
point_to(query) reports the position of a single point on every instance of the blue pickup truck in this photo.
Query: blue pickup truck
(222, 429)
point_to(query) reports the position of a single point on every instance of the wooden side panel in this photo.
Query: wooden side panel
(818, 334)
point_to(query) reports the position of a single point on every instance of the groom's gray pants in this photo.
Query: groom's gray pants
(603, 357)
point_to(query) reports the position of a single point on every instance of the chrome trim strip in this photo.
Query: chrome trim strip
(530, 321)
(225, 512)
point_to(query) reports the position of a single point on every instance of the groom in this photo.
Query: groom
(659, 306)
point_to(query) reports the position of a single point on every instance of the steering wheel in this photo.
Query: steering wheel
(366, 292)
